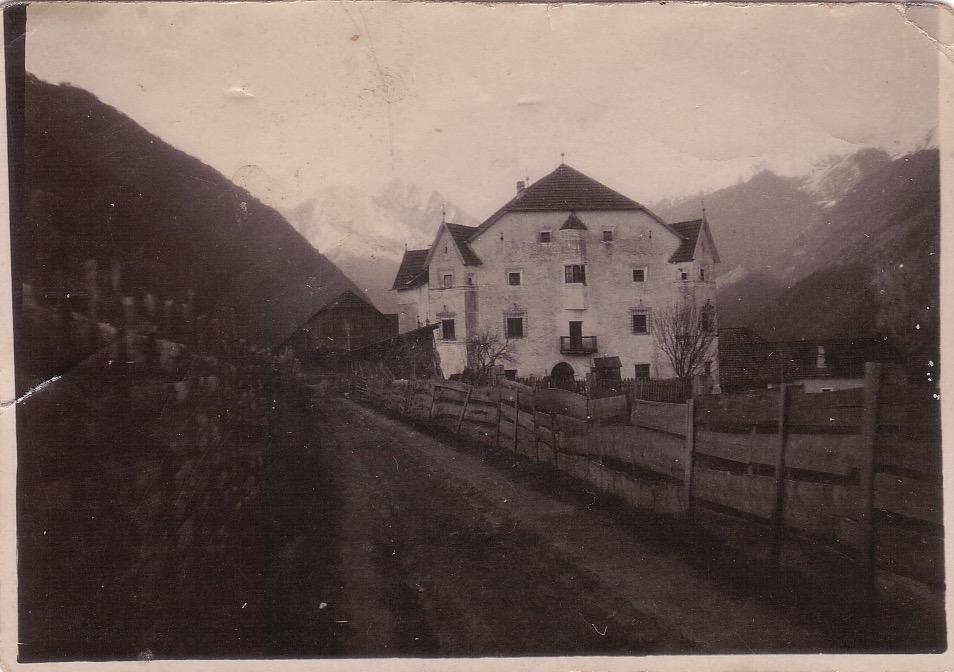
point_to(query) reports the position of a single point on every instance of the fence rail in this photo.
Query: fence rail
(857, 470)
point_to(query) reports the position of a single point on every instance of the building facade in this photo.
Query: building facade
(569, 273)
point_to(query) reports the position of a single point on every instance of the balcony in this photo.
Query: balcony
(577, 345)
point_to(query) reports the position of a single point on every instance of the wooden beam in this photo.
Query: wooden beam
(690, 452)
(463, 410)
(869, 426)
(778, 521)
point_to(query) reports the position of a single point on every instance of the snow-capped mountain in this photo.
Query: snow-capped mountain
(366, 235)
(834, 176)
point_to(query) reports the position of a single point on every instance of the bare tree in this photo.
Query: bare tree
(686, 333)
(487, 349)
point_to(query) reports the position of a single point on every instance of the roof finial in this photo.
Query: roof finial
(443, 212)
(562, 158)
(703, 201)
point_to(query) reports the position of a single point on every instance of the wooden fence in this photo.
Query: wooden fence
(857, 471)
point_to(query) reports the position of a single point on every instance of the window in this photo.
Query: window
(510, 374)
(607, 235)
(544, 237)
(448, 280)
(639, 275)
(702, 273)
(515, 327)
(575, 274)
(470, 279)
(641, 322)
(448, 331)
(642, 372)
(684, 275)
(514, 278)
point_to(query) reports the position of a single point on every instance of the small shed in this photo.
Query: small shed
(607, 369)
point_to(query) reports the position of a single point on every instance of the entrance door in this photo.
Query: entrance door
(562, 376)
(576, 335)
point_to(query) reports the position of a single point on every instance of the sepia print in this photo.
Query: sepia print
(389, 330)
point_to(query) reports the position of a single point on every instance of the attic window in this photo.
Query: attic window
(544, 237)
(445, 249)
(684, 275)
(447, 281)
(702, 273)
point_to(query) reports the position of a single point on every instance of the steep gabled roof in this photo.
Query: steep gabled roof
(689, 232)
(461, 234)
(565, 189)
(413, 271)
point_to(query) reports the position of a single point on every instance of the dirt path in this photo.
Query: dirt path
(446, 553)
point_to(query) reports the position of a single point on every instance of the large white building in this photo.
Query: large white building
(569, 271)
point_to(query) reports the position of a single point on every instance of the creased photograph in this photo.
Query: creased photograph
(400, 330)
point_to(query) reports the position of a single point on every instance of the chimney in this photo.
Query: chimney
(521, 185)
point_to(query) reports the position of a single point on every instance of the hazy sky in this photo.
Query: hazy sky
(655, 100)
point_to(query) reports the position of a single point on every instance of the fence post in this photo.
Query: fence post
(869, 422)
(516, 420)
(405, 408)
(778, 519)
(690, 452)
(533, 423)
(432, 387)
(499, 416)
(460, 420)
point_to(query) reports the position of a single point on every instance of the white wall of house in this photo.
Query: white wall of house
(605, 304)
(413, 308)
(446, 301)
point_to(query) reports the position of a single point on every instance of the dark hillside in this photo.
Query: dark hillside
(753, 220)
(101, 187)
(871, 266)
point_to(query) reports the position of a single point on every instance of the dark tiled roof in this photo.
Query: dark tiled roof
(412, 272)
(461, 234)
(568, 189)
(348, 299)
(573, 222)
(565, 189)
(689, 232)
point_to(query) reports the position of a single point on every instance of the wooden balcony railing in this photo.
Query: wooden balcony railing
(577, 345)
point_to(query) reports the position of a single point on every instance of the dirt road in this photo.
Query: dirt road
(453, 551)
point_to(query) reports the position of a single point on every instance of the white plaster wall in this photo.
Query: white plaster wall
(610, 293)
(413, 308)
